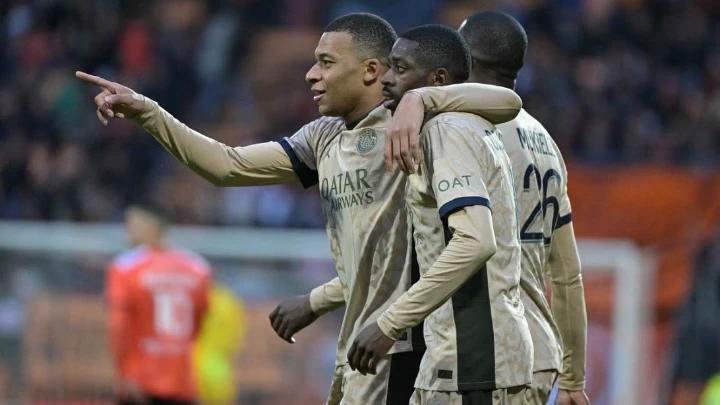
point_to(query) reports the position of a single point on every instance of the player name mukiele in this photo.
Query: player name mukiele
(536, 141)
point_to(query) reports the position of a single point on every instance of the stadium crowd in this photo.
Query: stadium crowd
(615, 82)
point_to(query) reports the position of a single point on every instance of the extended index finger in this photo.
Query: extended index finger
(92, 79)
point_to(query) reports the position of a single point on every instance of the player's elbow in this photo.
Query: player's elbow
(481, 248)
(486, 249)
(569, 275)
(219, 182)
(573, 279)
(221, 179)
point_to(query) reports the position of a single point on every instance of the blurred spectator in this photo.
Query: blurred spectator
(615, 82)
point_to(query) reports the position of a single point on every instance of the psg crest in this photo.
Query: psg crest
(367, 140)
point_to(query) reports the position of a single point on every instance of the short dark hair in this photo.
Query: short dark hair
(373, 37)
(152, 209)
(498, 40)
(441, 46)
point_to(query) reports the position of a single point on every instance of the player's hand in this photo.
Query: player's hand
(291, 316)
(129, 391)
(370, 346)
(114, 100)
(572, 398)
(401, 139)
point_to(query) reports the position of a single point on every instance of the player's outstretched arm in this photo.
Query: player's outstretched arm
(472, 244)
(568, 306)
(295, 314)
(221, 165)
(494, 103)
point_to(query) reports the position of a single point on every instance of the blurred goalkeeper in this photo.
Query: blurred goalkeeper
(156, 297)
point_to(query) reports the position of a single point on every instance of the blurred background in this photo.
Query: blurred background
(629, 89)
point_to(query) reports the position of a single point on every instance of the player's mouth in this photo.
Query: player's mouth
(390, 103)
(317, 95)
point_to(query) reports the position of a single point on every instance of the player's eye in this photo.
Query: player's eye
(326, 63)
(400, 69)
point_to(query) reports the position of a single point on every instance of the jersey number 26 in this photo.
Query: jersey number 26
(549, 190)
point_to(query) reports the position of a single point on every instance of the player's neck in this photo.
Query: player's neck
(494, 78)
(362, 111)
(156, 244)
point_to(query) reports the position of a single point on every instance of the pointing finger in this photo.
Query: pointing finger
(96, 80)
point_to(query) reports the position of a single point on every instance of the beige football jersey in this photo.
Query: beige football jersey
(543, 205)
(478, 339)
(366, 219)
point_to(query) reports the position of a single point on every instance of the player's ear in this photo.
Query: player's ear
(374, 70)
(440, 77)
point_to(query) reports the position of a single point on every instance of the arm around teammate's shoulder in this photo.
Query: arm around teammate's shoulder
(494, 103)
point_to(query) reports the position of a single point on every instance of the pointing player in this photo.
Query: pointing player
(156, 298)
(363, 205)
(462, 206)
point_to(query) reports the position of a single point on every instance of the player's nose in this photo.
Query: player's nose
(388, 79)
(313, 75)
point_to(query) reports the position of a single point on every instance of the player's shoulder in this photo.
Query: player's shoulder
(380, 117)
(523, 120)
(459, 121)
(196, 261)
(526, 123)
(324, 126)
(130, 260)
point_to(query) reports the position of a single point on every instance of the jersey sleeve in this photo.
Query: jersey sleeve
(494, 103)
(220, 164)
(453, 171)
(568, 307)
(327, 297)
(564, 211)
(117, 289)
(303, 149)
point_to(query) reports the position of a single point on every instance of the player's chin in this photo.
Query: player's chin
(390, 103)
(325, 110)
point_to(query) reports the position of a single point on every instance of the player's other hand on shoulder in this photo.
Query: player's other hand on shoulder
(370, 346)
(114, 100)
(291, 316)
(572, 398)
(402, 136)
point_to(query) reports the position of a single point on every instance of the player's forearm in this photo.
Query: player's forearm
(472, 244)
(570, 315)
(327, 297)
(119, 341)
(494, 103)
(222, 165)
(568, 306)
